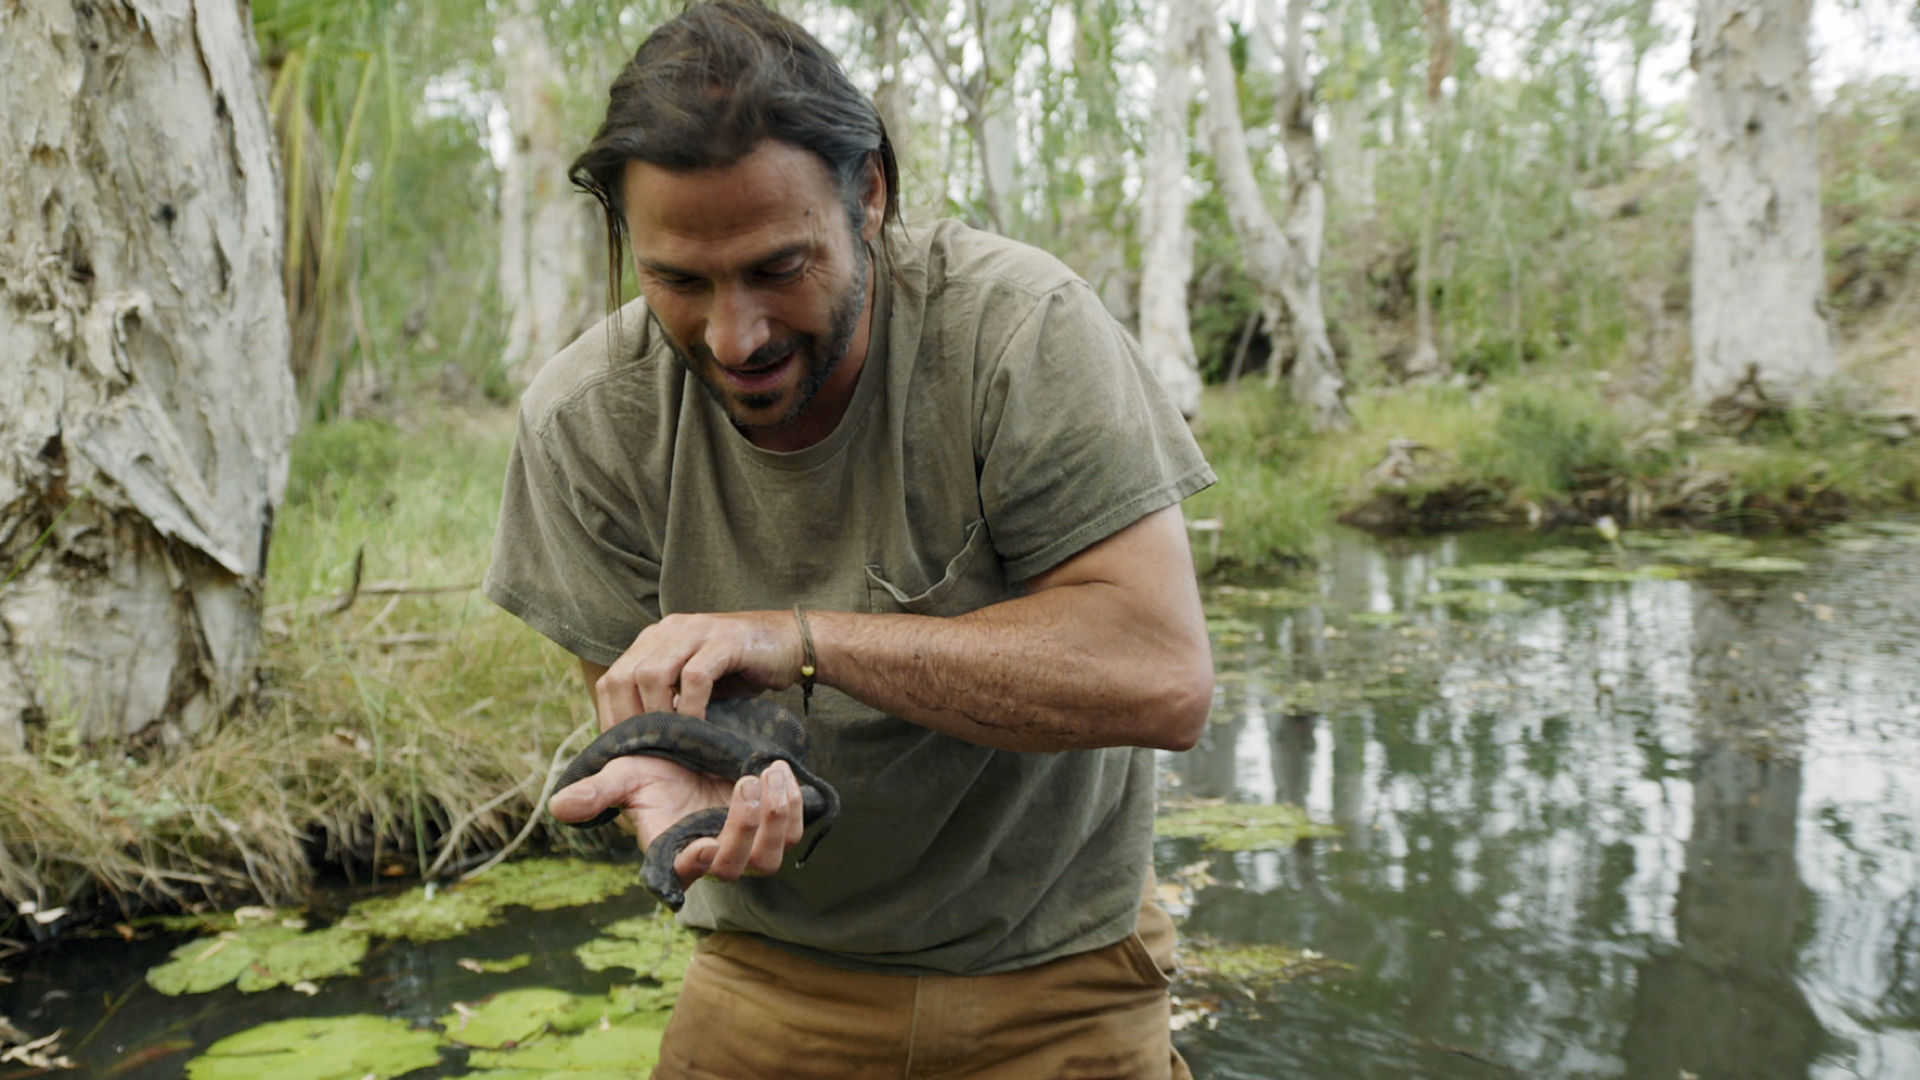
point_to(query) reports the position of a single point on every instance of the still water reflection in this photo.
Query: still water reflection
(1658, 829)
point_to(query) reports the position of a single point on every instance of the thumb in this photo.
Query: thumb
(580, 800)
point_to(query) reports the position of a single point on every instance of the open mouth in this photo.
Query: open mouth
(760, 379)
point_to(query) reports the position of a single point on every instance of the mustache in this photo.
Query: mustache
(764, 356)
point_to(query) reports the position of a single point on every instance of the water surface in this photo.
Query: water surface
(1644, 829)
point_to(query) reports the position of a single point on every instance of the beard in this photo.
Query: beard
(819, 356)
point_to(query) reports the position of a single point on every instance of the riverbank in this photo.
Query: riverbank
(1540, 450)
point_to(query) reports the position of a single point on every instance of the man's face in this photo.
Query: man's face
(761, 284)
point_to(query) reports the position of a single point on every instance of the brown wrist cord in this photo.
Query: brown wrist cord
(807, 662)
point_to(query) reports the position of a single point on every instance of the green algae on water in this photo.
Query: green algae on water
(1252, 967)
(428, 913)
(422, 915)
(1243, 826)
(329, 1048)
(1538, 572)
(546, 884)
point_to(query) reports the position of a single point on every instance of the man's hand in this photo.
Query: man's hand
(684, 661)
(764, 816)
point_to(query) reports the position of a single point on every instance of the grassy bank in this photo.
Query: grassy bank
(1539, 450)
(397, 722)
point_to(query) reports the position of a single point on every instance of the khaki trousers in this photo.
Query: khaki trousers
(750, 1010)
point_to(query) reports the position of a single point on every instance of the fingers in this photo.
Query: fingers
(679, 663)
(764, 819)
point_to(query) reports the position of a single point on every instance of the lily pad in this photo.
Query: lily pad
(497, 967)
(1481, 600)
(1559, 556)
(321, 954)
(421, 915)
(1760, 564)
(1535, 572)
(331, 1048)
(627, 1047)
(1243, 826)
(652, 947)
(512, 1018)
(210, 963)
(1254, 967)
(545, 884)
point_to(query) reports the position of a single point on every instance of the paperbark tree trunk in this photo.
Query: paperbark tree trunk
(1426, 363)
(1760, 334)
(144, 382)
(1286, 272)
(1348, 158)
(545, 228)
(998, 134)
(1166, 264)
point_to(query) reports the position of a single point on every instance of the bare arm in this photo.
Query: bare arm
(1107, 649)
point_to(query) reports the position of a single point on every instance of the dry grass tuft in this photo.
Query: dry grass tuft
(390, 731)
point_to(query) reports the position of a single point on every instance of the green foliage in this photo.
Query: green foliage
(1871, 210)
(1270, 503)
(1547, 443)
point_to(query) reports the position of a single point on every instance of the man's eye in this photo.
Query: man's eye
(782, 273)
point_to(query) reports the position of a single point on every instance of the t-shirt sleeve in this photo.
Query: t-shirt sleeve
(1076, 440)
(562, 561)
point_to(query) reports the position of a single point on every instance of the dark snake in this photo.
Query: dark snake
(740, 737)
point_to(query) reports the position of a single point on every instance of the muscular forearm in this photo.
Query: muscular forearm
(1107, 649)
(1110, 650)
(1059, 670)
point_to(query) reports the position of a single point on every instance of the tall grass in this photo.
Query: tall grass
(381, 724)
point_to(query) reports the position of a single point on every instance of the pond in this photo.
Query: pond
(1601, 811)
(1644, 828)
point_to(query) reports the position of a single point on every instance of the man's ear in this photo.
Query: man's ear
(873, 198)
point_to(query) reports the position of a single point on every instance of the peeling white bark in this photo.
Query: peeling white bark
(1166, 262)
(147, 402)
(1286, 272)
(546, 228)
(1759, 319)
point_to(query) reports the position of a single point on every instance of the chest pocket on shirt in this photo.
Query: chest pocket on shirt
(972, 579)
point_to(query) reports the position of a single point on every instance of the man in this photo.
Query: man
(923, 470)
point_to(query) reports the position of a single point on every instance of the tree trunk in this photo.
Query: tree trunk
(1426, 363)
(1348, 158)
(545, 229)
(890, 98)
(1166, 263)
(1287, 276)
(143, 364)
(997, 132)
(1759, 321)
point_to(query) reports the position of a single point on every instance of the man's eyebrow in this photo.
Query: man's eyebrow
(777, 255)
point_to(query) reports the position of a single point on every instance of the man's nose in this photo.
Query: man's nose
(736, 326)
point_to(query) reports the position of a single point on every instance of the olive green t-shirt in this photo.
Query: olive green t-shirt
(1002, 423)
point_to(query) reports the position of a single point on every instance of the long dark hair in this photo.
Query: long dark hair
(706, 88)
